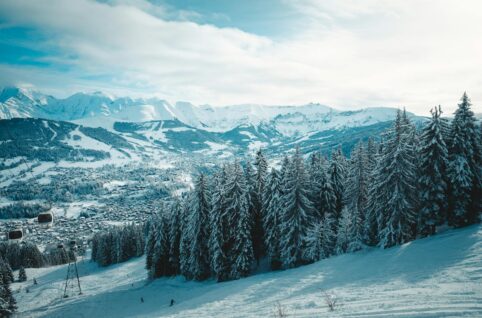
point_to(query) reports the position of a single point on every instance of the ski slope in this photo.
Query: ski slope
(434, 277)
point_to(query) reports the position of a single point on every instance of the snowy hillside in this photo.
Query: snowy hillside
(434, 277)
(101, 110)
(48, 140)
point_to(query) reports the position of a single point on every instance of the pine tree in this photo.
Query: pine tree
(328, 235)
(6, 271)
(285, 164)
(356, 196)
(356, 235)
(219, 243)
(464, 170)
(371, 225)
(237, 208)
(160, 258)
(175, 236)
(198, 230)
(433, 186)
(314, 242)
(254, 204)
(185, 245)
(296, 209)
(271, 222)
(344, 231)
(396, 179)
(31, 256)
(151, 241)
(257, 205)
(338, 176)
(22, 275)
(8, 305)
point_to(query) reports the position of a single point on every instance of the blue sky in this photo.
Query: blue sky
(344, 53)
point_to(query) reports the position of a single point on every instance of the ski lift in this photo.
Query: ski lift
(15, 235)
(45, 219)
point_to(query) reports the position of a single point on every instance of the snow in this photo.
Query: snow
(256, 145)
(44, 180)
(100, 110)
(163, 165)
(46, 125)
(74, 209)
(111, 185)
(215, 146)
(432, 277)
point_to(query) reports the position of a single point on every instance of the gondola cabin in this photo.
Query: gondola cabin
(45, 219)
(15, 235)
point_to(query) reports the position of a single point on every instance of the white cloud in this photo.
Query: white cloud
(348, 53)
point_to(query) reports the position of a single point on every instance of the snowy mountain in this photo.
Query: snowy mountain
(100, 110)
(439, 276)
(53, 141)
(101, 128)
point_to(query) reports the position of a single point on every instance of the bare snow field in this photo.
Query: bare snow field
(434, 277)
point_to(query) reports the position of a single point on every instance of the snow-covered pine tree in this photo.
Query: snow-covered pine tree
(356, 235)
(370, 231)
(432, 181)
(185, 245)
(314, 242)
(296, 209)
(219, 242)
(328, 235)
(285, 164)
(343, 234)
(6, 271)
(151, 241)
(140, 241)
(261, 166)
(8, 305)
(315, 176)
(356, 196)
(271, 222)
(160, 258)
(31, 256)
(175, 235)
(254, 204)
(338, 177)
(237, 208)
(412, 141)
(397, 217)
(22, 275)
(198, 230)
(313, 163)
(464, 170)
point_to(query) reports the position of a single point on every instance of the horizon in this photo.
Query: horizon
(173, 103)
(338, 53)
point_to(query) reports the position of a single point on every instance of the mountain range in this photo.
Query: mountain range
(94, 126)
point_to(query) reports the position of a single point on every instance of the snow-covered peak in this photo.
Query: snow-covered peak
(99, 107)
(22, 94)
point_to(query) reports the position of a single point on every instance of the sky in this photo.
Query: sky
(343, 53)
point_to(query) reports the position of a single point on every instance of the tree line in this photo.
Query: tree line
(118, 244)
(411, 183)
(27, 255)
(8, 304)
